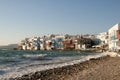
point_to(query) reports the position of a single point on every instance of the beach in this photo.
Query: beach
(103, 68)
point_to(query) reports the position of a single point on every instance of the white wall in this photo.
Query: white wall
(102, 37)
(113, 36)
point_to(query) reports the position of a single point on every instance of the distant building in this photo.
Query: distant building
(68, 44)
(61, 42)
(103, 38)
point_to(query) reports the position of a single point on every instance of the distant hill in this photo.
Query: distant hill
(10, 46)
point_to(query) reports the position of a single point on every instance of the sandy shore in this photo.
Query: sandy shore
(105, 68)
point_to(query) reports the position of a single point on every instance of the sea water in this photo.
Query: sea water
(15, 63)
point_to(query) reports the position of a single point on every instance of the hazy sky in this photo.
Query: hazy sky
(28, 18)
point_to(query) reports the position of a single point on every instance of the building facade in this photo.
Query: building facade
(114, 37)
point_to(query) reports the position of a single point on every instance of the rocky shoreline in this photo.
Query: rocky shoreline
(82, 71)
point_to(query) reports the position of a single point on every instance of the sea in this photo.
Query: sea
(15, 63)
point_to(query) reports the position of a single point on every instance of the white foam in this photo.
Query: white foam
(19, 70)
(34, 55)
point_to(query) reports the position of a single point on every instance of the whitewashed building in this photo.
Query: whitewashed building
(114, 37)
(103, 38)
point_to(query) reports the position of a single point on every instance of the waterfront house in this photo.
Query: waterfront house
(59, 41)
(42, 44)
(114, 37)
(101, 40)
(68, 44)
(48, 45)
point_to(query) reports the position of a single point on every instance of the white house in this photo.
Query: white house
(113, 37)
(102, 36)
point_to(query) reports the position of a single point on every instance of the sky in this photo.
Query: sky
(28, 18)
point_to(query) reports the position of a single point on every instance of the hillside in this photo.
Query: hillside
(10, 46)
